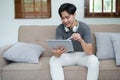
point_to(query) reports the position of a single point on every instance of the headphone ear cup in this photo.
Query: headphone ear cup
(66, 29)
(74, 29)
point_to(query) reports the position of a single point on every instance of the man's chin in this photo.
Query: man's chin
(67, 26)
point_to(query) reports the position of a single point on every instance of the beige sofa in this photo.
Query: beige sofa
(40, 71)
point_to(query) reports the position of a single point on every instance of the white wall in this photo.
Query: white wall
(9, 25)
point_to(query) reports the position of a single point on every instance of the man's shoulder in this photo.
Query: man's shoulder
(83, 25)
(60, 26)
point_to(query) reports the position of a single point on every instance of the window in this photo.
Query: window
(102, 8)
(32, 9)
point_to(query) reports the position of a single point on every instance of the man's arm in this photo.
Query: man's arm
(87, 47)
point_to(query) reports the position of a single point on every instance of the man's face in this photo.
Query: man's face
(67, 19)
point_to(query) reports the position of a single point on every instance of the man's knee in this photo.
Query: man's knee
(54, 61)
(92, 59)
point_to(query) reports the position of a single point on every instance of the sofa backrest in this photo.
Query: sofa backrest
(38, 34)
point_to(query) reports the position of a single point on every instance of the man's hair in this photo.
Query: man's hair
(68, 7)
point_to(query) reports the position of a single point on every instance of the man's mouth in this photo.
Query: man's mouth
(66, 24)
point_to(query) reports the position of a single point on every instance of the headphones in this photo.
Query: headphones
(74, 29)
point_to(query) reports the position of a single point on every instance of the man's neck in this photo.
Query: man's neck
(75, 23)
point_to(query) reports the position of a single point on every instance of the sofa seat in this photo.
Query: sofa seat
(25, 71)
(41, 70)
(26, 66)
(107, 67)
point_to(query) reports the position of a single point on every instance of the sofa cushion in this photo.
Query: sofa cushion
(104, 45)
(116, 44)
(24, 52)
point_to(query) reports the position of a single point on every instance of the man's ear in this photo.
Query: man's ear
(74, 14)
(66, 29)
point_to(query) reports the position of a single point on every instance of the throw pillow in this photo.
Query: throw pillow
(24, 52)
(116, 44)
(104, 45)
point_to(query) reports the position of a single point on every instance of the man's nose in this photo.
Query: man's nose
(65, 20)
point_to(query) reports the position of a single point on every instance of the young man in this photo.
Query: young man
(80, 35)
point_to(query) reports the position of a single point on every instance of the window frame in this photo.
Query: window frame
(87, 14)
(20, 12)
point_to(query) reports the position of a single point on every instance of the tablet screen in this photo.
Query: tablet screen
(66, 43)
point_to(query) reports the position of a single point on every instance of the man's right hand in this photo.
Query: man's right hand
(58, 51)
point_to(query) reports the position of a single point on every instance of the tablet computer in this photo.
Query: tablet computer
(53, 43)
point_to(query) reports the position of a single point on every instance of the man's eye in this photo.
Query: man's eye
(62, 18)
(67, 17)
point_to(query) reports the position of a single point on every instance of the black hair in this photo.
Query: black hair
(70, 8)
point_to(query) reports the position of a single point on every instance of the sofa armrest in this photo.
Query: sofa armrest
(3, 62)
